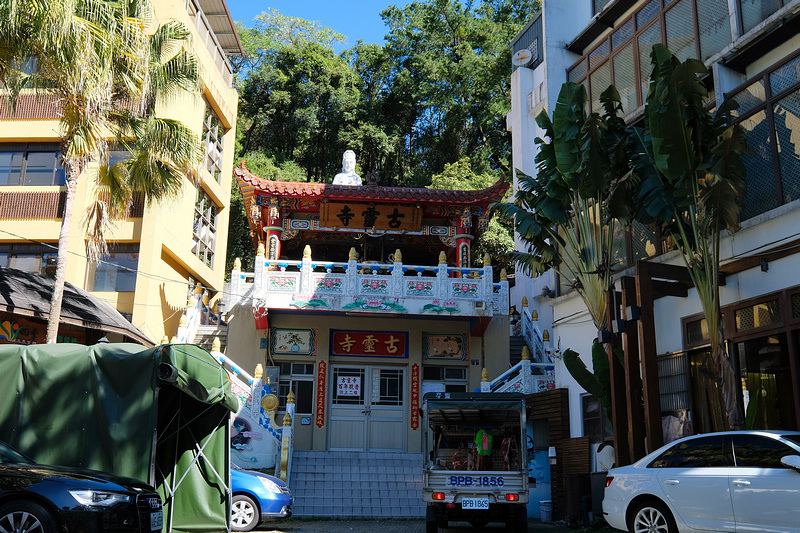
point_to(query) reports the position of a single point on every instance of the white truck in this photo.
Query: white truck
(475, 465)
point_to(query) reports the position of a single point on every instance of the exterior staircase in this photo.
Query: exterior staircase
(205, 335)
(515, 345)
(357, 484)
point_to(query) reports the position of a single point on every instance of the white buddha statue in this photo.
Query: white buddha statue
(348, 174)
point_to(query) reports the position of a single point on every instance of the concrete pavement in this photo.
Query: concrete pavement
(306, 525)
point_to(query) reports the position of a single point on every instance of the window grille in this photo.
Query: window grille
(205, 228)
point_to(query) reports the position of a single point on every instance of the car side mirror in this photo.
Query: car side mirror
(791, 461)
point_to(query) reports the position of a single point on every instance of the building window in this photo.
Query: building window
(690, 29)
(599, 5)
(596, 424)
(115, 272)
(444, 379)
(205, 228)
(35, 258)
(31, 164)
(213, 132)
(769, 108)
(298, 378)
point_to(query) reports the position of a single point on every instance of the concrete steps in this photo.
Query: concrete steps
(357, 484)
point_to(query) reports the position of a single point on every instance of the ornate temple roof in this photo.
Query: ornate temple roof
(252, 186)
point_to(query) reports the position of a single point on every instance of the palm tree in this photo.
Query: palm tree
(108, 73)
(691, 182)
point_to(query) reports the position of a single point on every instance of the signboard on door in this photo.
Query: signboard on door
(348, 386)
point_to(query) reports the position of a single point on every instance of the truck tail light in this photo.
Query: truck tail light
(438, 496)
(512, 497)
(609, 479)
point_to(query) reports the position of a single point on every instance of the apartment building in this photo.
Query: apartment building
(160, 252)
(752, 51)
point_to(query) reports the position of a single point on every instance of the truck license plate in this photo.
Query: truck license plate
(156, 521)
(474, 503)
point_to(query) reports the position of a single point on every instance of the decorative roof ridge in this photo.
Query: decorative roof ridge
(368, 192)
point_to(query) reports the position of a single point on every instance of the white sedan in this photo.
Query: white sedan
(728, 481)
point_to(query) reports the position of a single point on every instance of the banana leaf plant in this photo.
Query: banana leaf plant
(562, 214)
(598, 381)
(689, 178)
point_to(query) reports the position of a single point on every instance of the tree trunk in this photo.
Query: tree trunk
(728, 384)
(54, 318)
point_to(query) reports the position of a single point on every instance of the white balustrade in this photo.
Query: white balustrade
(364, 286)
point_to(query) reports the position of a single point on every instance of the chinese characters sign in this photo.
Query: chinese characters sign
(321, 377)
(364, 216)
(348, 386)
(369, 344)
(415, 396)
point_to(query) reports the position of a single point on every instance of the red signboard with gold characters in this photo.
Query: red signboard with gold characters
(321, 377)
(415, 396)
(369, 344)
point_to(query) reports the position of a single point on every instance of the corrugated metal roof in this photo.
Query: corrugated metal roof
(221, 22)
(29, 294)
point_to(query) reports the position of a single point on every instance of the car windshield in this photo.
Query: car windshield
(10, 455)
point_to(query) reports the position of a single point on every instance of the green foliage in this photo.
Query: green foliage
(264, 167)
(437, 92)
(598, 382)
(690, 177)
(240, 242)
(498, 239)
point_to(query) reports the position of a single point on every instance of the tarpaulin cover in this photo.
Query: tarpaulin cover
(155, 414)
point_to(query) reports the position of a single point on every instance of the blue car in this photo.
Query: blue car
(257, 497)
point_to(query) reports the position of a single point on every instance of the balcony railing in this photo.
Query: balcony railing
(371, 287)
(210, 40)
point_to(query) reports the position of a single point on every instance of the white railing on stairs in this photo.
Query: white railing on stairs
(525, 377)
(533, 338)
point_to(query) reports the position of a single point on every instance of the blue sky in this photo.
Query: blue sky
(355, 19)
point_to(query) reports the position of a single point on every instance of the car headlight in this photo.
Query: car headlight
(99, 498)
(270, 485)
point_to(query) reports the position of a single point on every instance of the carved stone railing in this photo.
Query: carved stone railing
(258, 440)
(369, 287)
(534, 338)
(525, 377)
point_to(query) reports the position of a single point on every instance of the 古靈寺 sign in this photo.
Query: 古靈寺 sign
(368, 216)
(369, 343)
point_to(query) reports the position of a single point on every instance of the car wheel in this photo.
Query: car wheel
(244, 513)
(652, 517)
(26, 517)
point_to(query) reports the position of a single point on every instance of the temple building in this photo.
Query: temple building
(362, 299)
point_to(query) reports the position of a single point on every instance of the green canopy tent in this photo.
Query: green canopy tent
(159, 414)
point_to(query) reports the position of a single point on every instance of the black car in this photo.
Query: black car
(37, 498)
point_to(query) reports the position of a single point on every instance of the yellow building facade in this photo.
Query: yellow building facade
(160, 252)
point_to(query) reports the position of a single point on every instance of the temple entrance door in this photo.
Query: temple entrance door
(366, 408)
